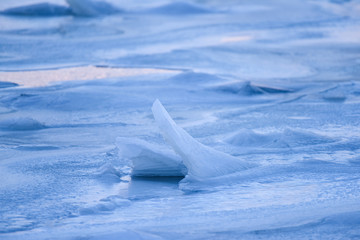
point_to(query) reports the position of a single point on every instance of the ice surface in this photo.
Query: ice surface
(270, 83)
(287, 138)
(41, 78)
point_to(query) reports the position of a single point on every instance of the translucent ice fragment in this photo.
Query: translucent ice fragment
(200, 160)
(147, 159)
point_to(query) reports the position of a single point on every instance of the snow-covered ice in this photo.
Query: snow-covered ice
(260, 138)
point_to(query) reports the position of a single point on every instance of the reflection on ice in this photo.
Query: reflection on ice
(141, 188)
(236, 39)
(40, 78)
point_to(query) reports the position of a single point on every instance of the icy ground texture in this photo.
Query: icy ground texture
(273, 83)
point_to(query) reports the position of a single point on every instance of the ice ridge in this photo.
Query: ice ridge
(38, 9)
(83, 8)
(88, 8)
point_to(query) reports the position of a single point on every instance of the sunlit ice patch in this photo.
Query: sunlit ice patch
(38, 78)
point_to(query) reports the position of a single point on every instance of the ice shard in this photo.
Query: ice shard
(200, 160)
